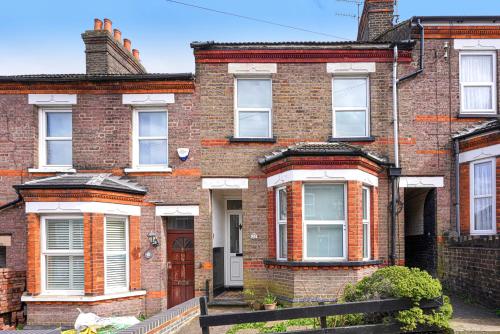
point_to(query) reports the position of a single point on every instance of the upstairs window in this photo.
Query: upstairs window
(253, 108)
(350, 107)
(150, 138)
(281, 214)
(482, 197)
(56, 138)
(478, 82)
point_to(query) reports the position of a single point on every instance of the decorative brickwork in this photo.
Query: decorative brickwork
(135, 252)
(294, 221)
(12, 286)
(33, 270)
(354, 221)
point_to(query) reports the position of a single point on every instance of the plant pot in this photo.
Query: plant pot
(270, 306)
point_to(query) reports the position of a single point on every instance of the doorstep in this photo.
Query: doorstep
(229, 297)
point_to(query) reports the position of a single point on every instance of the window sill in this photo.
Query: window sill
(274, 262)
(82, 299)
(252, 140)
(478, 115)
(352, 139)
(148, 169)
(52, 170)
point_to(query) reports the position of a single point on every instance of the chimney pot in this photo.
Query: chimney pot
(97, 24)
(108, 25)
(117, 35)
(127, 44)
(135, 52)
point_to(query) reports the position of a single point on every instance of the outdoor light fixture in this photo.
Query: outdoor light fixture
(153, 240)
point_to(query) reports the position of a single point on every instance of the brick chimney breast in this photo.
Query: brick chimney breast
(376, 18)
(105, 53)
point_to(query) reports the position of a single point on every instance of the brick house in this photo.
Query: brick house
(279, 166)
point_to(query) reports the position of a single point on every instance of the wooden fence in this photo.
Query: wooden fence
(321, 312)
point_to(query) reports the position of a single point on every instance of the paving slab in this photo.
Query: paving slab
(193, 327)
(473, 318)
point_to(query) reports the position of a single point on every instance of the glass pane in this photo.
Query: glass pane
(58, 272)
(365, 204)
(483, 213)
(116, 271)
(348, 92)
(59, 124)
(282, 204)
(477, 98)
(325, 241)
(483, 178)
(57, 236)
(253, 124)
(116, 234)
(366, 238)
(153, 152)
(59, 152)
(234, 233)
(78, 272)
(180, 223)
(350, 124)
(234, 204)
(282, 242)
(3, 256)
(476, 68)
(324, 201)
(77, 234)
(153, 124)
(254, 93)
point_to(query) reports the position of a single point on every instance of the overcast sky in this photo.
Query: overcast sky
(43, 36)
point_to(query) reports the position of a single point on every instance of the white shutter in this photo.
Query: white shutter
(116, 254)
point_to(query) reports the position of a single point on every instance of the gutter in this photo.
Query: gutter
(19, 199)
(457, 185)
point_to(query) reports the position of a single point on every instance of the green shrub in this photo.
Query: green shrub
(403, 282)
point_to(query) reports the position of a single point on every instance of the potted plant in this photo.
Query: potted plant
(269, 301)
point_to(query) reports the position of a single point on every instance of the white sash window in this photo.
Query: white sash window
(56, 138)
(281, 216)
(253, 101)
(116, 254)
(482, 197)
(366, 223)
(350, 107)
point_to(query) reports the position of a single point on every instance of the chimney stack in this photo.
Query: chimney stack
(376, 18)
(105, 52)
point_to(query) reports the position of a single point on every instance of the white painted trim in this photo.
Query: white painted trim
(279, 222)
(350, 68)
(42, 137)
(83, 207)
(367, 222)
(252, 68)
(51, 99)
(421, 182)
(148, 99)
(322, 175)
(140, 169)
(472, 198)
(49, 169)
(476, 44)
(224, 183)
(479, 153)
(83, 299)
(177, 210)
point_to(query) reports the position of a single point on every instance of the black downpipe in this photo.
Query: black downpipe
(421, 60)
(12, 203)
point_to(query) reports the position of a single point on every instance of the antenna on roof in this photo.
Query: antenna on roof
(358, 3)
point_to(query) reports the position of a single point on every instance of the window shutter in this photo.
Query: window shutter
(116, 253)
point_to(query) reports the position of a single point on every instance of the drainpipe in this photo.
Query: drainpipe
(12, 203)
(457, 185)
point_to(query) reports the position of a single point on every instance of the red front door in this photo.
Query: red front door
(180, 252)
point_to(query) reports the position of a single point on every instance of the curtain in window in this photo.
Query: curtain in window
(475, 72)
(483, 196)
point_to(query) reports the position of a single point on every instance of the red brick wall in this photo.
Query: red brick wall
(354, 221)
(374, 221)
(271, 222)
(135, 252)
(12, 286)
(294, 221)
(33, 270)
(94, 253)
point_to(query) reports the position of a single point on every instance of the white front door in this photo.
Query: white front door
(234, 249)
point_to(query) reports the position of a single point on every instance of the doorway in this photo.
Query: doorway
(234, 244)
(180, 259)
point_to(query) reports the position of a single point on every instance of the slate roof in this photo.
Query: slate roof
(478, 128)
(95, 77)
(85, 181)
(320, 148)
(289, 44)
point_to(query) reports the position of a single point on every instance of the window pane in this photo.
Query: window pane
(180, 223)
(59, 152)
(282, 241)
(477, 98)
(57, 236)
(234, 204)
(365, 204)
(78, 272)
(476, 68)
(77, 234)
(59, 124)
(254, 93)
(153, 152)
(483, 213)
(3, 257)
(116, 271)
(234, 233)
(324, 201)
(282, 204)
(253, 124)
(349, 92)
(65, 272)
(366, 238)
(116, 234)
(483, 178)
(153, 124)
(350, 123)
(325, 241)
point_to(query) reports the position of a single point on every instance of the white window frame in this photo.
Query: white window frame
(44, 253)
(367, 222)
(280, 222)
(493, 84)
(108, 290)
(237, 109)
(305, 223)
(136, 138)
(472, 197)
(42, 134)
(340, 109)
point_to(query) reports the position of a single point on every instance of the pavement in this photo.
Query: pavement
(193, 327)
(473, 318)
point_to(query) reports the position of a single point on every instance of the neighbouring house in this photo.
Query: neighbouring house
(284, 166)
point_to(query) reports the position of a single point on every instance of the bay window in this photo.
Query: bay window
(62, 255)
(366, 222)
(478, 82)
(150, 147)
(482, 197)
(281, 216)
(56, 133)
(324, 213)
(253, 108)
(116, 254)
(350, 107)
